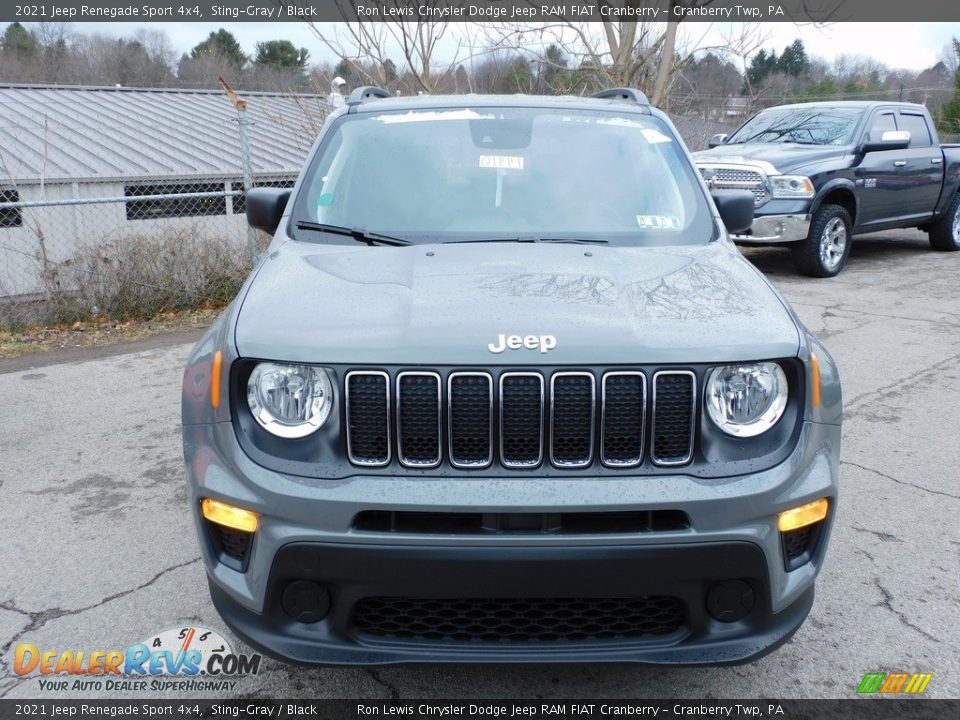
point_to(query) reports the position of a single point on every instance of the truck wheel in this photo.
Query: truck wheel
(825, 251)
(945, 232)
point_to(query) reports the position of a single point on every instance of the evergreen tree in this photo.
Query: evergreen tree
(794, 61)
(282, 54)
(949, 120)
(222, 43)
(761, 65)
(17, 40)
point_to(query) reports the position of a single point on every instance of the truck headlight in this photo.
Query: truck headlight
(289, 401)
(747, 399)
(791, 186)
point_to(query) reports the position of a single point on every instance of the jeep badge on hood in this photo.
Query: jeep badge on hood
(515, 342)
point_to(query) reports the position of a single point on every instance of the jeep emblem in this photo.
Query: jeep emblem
(531, 342)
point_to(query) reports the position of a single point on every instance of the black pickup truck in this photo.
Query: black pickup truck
(821, 172)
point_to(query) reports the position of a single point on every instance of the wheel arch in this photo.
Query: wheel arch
(837, 192)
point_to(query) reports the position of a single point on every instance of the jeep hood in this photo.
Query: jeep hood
(443, 304)
(785, 157)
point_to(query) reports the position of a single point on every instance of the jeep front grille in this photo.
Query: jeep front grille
(673, 417)
(569, 419)
(572, 410)
(624, 400)
(419, 417)
(521, 419)
(368, 422)
(470, 396)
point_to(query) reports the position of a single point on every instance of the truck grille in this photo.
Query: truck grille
(472, 418)
(721, 177)
(518, 620)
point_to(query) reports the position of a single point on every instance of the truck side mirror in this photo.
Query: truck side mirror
(265, 206)
(735, 208)
(889, 140)
(718, 139)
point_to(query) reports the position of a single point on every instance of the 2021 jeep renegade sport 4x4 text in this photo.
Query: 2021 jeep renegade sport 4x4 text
(502, 389)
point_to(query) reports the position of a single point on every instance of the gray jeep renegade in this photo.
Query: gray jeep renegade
(503, 390)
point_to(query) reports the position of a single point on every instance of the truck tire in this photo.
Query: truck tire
(945, 232)
(827, 248)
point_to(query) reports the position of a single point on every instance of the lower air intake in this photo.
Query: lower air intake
(499, 620)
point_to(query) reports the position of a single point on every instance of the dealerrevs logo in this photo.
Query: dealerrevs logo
(181, 654)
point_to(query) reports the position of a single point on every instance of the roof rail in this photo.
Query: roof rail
(622, 93)
(367, 92)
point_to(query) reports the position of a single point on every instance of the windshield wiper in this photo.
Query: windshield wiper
(528, 239)
(356, 233)
(575, 241)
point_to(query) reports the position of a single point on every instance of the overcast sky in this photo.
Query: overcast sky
(905, 45)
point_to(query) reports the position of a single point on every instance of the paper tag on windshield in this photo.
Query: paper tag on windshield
(658, 222)
(655, 136)
(502, 162)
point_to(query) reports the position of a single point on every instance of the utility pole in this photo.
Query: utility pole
(241, 107)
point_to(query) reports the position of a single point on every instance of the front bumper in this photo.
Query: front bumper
(775, 229)
(355, 572)
(307, 533)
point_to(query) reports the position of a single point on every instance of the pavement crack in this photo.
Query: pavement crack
(895, 389)
(41, 617)
(389, 687)
(885, 537)
(899, 482)
(887, 603)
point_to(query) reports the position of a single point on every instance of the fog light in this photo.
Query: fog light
(229, 516)
(802, 516)
(730, 600)
(305, 601)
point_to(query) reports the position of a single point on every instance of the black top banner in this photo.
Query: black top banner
(797, 11)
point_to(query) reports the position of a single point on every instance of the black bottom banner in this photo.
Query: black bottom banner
(867, 709)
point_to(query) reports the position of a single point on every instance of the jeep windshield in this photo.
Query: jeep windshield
(502, 174)
(802, 125)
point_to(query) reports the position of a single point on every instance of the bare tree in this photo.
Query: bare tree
(367, 45)
(632, 53)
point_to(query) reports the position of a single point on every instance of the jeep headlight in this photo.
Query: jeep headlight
(747, 399)
(791, 186)
(290, 401)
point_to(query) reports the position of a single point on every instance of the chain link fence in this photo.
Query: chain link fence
(133, 248)
(124, 251)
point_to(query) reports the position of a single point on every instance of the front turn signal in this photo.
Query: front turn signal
(229, 516)
(802, 516)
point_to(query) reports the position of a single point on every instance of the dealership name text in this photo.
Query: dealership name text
(563, 10)
(568, 709)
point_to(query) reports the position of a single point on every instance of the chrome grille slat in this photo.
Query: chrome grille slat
(521, 438)
(420, 409)
(622, 427)
(467, 445)
(674, 417)
(572, 429)
(368, 432)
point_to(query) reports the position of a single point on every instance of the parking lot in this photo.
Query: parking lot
(99, 551)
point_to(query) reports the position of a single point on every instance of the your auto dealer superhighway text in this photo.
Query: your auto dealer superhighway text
(572, 10)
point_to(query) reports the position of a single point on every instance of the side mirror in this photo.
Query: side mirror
(889, 140)
(735, 208)
(265, 206)
(718, 139)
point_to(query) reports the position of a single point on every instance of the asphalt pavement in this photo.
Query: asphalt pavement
(98, 551)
